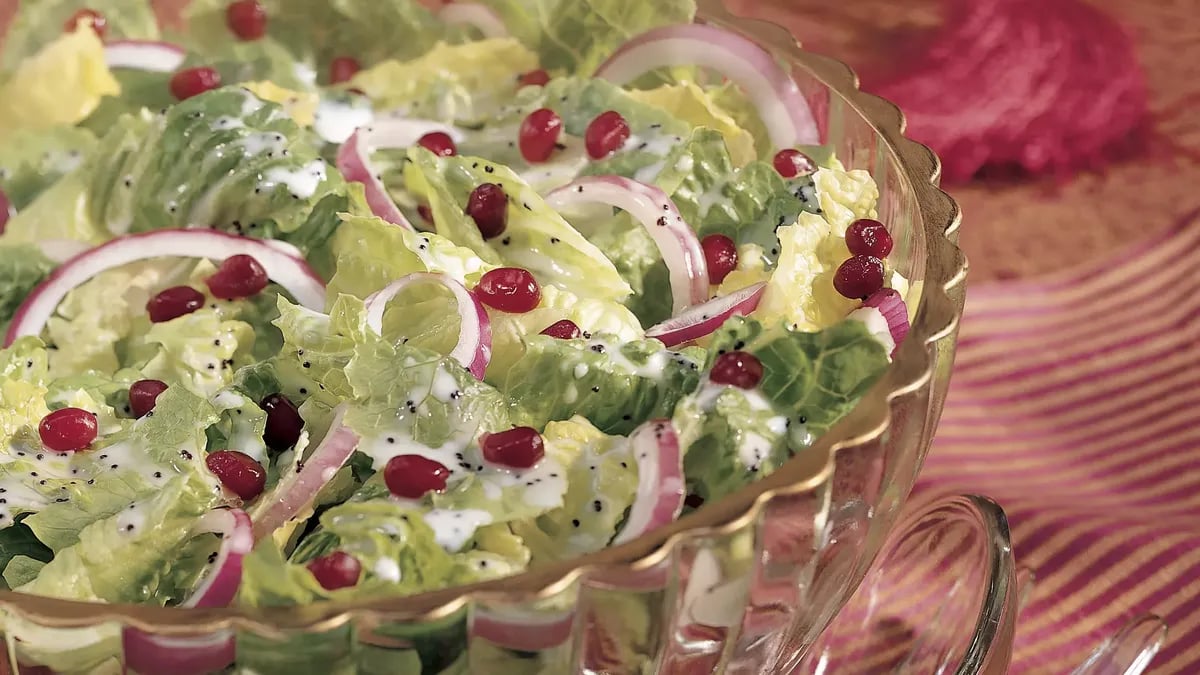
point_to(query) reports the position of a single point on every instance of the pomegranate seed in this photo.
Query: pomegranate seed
(738, 369)
(519, 448)
(536, 78)
(6, 211)
(99, 23)
(791, 163)
(868, 237)
(239, 276)
(238, 472)
(246, 19)
(720, 253)
(194, 81)
(539, 134)
(343, 69)
(174, 303)
(859, 276)
(509, 289)
(438, 143)
(425, 213)
(488, 205)
(606, 134)
(284, 422)
(563, 330)
(68, 430)
(143, 394)
(412, 476)
(335, 570)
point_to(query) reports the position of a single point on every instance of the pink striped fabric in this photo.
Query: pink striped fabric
(1076, 405)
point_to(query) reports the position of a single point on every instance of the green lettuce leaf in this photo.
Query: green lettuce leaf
(732, 436)
(19, 546)
(615, 384)
(537, 238)
(22, 268)
(602, 480)
(578, 35)
(32, 161)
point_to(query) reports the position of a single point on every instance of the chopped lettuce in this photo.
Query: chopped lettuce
(22, 268)
(577, 35)
(61, 84)
(466, 83)
(31, 162)
(697, 107)
(536, 238)
(615, 384)
(731, 436)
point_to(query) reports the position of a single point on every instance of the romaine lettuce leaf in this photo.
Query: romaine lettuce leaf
(616, 385)
(31, 162)
(697, 107)
(732, 436)
(22, 268)
(578, 35)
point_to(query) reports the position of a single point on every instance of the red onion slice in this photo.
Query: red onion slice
(476, 15)
(660, 489)
(353, 162)
(782, 107)
(297, 490)
(474, 347)
(522, 630)
(163, 655)
(290, 272)
(707, 317)
(158, 57)
(891, 306)
(656, 212)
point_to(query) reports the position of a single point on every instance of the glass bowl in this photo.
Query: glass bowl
(730, 587)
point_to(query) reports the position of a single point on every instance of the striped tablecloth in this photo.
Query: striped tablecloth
(1075, 403)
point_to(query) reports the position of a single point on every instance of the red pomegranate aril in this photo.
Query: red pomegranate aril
(246, 19)
(564, 329)
(868, 237)
(239, 276)
(284, 423)
(343, 69)
(509, 289)
(143, 394)
(606, 134)
(335, 570)
(238, 472)
(791, 163)
(173, 303)
(68, 430)
(439, 143)
(519, 448)
(193, 82)
(99, 23)
(488, 206)
(737, 369)
(535, 78)
(721, 256)
(859, 276)
(539, 135)
(414, 476)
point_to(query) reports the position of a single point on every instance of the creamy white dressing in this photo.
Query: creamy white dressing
(542, 486)
(713, 195)
(227, 122)
(444, 388)
(261, 143)
(753, 448)
(132, 519)
(581, 370)
(708, 393)
(335, 121)
(305, 73)
(876, 324)
(654, 368)
(452, 529)
(250, 103)
(301, 182)
(799, 436)
(571, 394)
(387, 569)
(564, 165)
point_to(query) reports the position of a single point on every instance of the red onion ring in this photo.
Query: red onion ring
(292, 273)
(703, 319)
(297, 490)
(891, 306)
(474, 347)
(149, 55)
(475, 15)
(656, 212)
(353, 163)
(783, 109)
(660, 489)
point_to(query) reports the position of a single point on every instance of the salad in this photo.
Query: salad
(341, 299)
